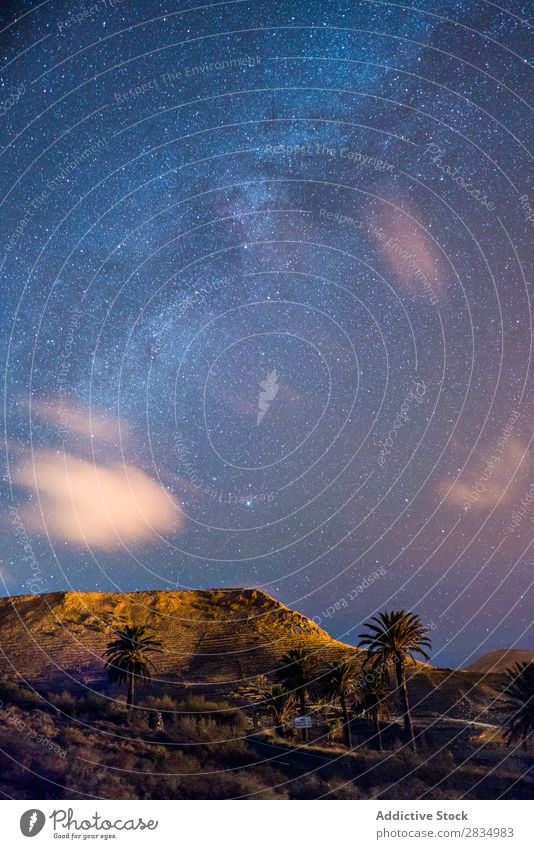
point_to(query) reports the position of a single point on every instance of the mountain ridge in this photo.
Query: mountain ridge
(498, 660)
(219, 634)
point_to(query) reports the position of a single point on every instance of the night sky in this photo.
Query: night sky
(266, 316)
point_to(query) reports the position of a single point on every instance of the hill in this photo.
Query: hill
(203, 729)
(215, 641)
(500, 660)
(218, 636)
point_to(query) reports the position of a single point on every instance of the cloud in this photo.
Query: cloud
(410, 253)
(86, 503)
(83, 501)
(75, 421)
(495, 478)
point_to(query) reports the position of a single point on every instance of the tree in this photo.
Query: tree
(297, 673)
(393, 638)
(338, 683)
(520, 692)
(127, 657)
(374, 701)
(281, 703)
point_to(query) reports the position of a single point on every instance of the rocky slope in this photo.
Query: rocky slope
(207, 635)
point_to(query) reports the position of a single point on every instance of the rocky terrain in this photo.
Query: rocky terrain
(209, 636)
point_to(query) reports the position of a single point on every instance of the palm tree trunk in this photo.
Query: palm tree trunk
(302, 700)
(131, 692)
(378, 733)
(346, 721)
(401, 683)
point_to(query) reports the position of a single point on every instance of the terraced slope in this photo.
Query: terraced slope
(207, 635)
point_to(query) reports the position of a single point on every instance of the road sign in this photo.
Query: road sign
(302, 722)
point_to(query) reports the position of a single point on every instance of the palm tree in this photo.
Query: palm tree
(280, 702)
(520, 692)
(393, 638)
(338, 683)
(374, 701)
(296, 673)
(127, 657)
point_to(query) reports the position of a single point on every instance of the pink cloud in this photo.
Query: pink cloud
(89, 423)
(495, 478)
(411, 255)
(84, 501)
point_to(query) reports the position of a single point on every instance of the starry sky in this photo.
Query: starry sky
(266, 315)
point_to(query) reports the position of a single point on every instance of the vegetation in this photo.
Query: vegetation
(208, 751)
(297, 673)
(519, 725)
(239, 742)
(374, 701)
(128, 657)
(392, 639)
(281, 703)
(338, 684)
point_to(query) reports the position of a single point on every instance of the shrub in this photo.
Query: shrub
(72, 736)
(19, 695)
(64, 702)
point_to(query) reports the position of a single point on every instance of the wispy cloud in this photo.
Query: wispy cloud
(91, 424)
(494, 478)
(411, 255)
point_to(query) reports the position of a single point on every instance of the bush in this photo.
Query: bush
(72, 736)
(19, 695)
(95, 706)
(64, 702)
(165, 704)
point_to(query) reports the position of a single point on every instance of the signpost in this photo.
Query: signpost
(302, 722)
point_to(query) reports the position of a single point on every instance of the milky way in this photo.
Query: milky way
(265, 272)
